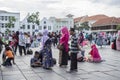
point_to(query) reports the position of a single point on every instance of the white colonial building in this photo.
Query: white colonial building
(46, 23)
(52, 24)
(4, 20)
(58, 23)
(25, 26)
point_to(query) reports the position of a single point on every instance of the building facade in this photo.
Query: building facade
(52, 24)
(98, 23)
(4, 20)
(106, 25)
(28, 27)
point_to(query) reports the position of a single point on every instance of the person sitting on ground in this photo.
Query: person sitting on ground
(8, 57)
(94, 54)
(35, 61)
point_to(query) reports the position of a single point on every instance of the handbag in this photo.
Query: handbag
(60, 46)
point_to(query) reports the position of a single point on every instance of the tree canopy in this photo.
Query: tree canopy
(85, 25)
(11, 21)
(34, 18)
(118, 27)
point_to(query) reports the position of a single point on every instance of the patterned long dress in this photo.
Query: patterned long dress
(47, 59)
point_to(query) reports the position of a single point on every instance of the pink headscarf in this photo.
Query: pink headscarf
(94, 52)
(65, 37)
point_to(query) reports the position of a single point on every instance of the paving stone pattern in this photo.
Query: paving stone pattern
(106, 70)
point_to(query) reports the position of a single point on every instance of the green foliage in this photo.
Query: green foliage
(118, 27)
(10, 23)
(85, 25)
(34, 18)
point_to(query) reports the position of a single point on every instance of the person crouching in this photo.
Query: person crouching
(9, 56)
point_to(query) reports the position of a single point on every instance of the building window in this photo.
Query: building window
(23, 26)
(44, 22)
(2, 25)
(13, 25)
(49, 27)
(33, 26)
(20, 27)
(5, 18)
(2, 18)
(45, 27)
(9, 17)
(40, 27)
(6, 25)
(28, 26)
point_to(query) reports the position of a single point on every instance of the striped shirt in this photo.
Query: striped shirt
(74, 44)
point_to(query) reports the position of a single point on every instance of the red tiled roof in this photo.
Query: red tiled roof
(107, 21)
(91, 18)
(78, 19)
(97, 17)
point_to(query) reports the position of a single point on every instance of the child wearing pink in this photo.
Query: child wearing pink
(94, 54)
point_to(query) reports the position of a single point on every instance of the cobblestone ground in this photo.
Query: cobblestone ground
(107, 70)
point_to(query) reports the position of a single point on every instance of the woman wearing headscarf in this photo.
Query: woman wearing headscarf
(118, 41)
(94, 54)
(63, 47)
(46, 52)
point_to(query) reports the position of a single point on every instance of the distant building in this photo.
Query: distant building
(58, 23)
(25, 26)
(52, 24)
(46, 23)
(4, 19)
(107, 25)
(98, 23)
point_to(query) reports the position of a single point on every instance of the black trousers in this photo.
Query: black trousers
(16, 46)
(73, 65)
(8, 62)
(0, 48)
(20, 50)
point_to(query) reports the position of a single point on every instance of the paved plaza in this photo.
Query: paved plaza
(106, 70)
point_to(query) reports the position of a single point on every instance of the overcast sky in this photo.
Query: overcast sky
(60, 8)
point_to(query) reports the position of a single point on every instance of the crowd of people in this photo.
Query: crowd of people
(69, 43)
